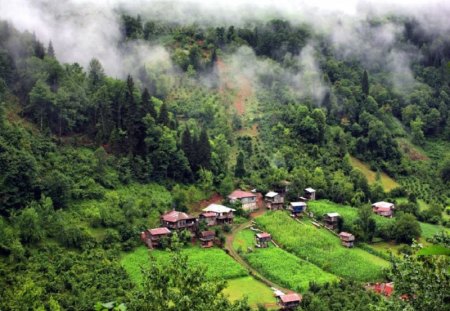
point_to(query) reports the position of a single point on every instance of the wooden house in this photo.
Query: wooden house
(207, 238)
(310, 194)
(347, 239)
(385, 209)
(247, 199)
(152, 237)
(175, 220)
(274, 200)
(289, 301)
(263, 239)
(297, 208)
(331, 220)
(216, 214)
(385, 289)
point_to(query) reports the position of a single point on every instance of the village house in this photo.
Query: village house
(310, 194)
(247, 199)
(331, 220)
(263, 239)
(385, 209)
(175, 220)
(207, 238)
(216, 214)
(385, 289)
(347, 239)
(289, 301)
(152, 237)
(274, 200)
(297, 208)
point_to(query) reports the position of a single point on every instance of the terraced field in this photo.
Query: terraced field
(218, 264)
(280, 266)
(322, 248)
(387, 182)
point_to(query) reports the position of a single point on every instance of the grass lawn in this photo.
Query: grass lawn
(217, 262)
(387, 247)
(387, 182)
(280, 266)
(428, 230)
(255, 291)
(322, 248)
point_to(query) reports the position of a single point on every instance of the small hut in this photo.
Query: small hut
(263, 239)
(274, 200)
(385, 209)
(152, 237)
(310, 194)
(297, 208)
(289, 301)
(331, 220)
(347, 239)
(207, 238)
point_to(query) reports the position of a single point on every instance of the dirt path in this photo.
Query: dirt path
(233, 253)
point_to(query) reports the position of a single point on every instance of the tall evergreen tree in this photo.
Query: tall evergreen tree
(204, 150)
(239, 170)
(147, 105)
(50, 50)
(365, 83)
(163, 117)
(187, 146)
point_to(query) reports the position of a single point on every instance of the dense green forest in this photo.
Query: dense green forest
(88, 161)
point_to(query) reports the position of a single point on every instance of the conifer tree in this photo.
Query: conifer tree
(239, 170)
(204, 150)
(50, 50)
(187, 146)
(163, 117)
(365, 83)
(147, 105)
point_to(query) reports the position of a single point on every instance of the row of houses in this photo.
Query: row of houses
(213, 215)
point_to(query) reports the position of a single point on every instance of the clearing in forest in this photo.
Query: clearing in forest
(387, 182)
(219, 266)
(322, 248)
(278, 265)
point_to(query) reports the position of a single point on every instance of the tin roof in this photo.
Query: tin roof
(271, 194)
(216, 208)
(174, 216)
(239, 194)
(310, 190)
(295, 204)
(263, 235)
(290, 298)
(159, 231)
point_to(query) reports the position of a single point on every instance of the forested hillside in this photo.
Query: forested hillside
(89, 159)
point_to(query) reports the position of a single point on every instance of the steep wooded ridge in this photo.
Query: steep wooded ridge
(88, 161)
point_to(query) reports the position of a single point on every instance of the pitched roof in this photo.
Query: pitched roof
(295, 204)
(384, 209)
(333, 214)
(383, 204)
(263, 235)
(310, 190)
(208, 214)
(271, 194)
(291, 298)
(345, 234)
(216, 208)
(159, 231)
(239, 194)
(207, 233)
(174, 216)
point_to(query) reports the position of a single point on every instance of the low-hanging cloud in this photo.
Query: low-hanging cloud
(81, 30)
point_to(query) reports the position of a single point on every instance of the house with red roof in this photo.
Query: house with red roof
(152, 237)
(175, 220)
(385, 209)
(289, 301)
(263, 239)
(247, 199)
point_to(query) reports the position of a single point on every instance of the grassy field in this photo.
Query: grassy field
(428, 230)
(348, 213)
(387, 182)
(322, 248)
(217, 262)
(280, 266)
(255, 291)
